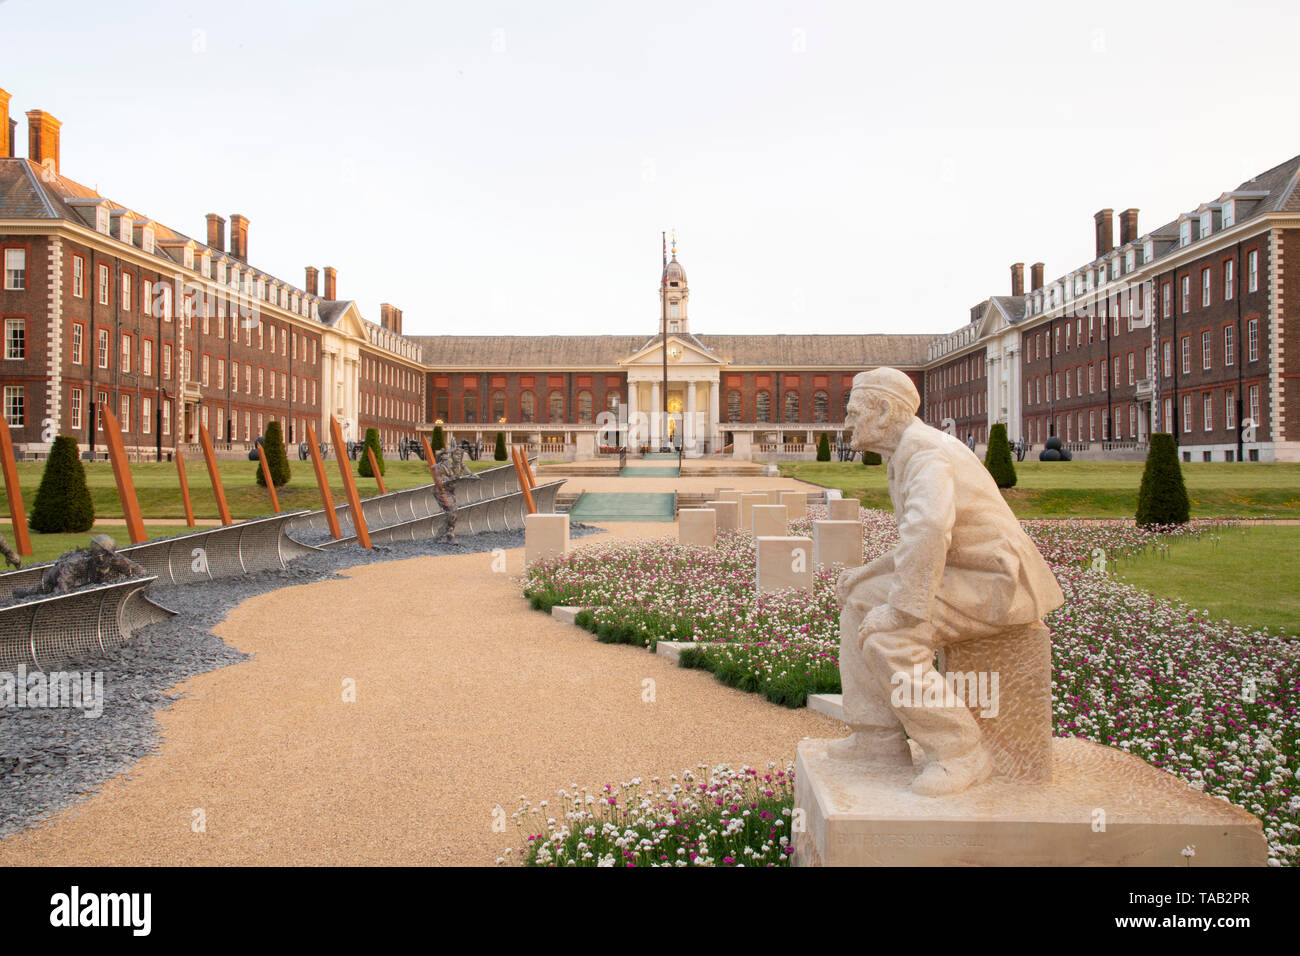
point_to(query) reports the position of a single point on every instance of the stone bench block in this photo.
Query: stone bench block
(784, 562)
(769, 521)
(728, 513)
(796, 503)
(747, 502)
(842, 509)
(697, 527)
(545, 535)
(837, 542)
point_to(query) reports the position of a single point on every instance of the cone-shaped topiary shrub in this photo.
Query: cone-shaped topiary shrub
(62, 504)
(998, 457)
(439, 439)
(1162, 498)
(823, 448)
(372, 441)
(871, 458)
(277, 459)
(500, 454)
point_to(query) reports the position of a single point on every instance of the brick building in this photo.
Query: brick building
(1181, 329)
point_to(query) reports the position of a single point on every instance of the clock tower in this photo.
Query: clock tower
(673, 296)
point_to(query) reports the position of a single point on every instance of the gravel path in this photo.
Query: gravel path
(464, 700)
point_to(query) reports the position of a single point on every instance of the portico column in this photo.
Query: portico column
(632, 389)
(655, 406)
(713, 430)
(690, 429)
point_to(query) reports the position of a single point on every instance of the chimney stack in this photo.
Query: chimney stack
(43, 139)
(1018, 278)
(1128, 226)
(313, 281)
(331, 278)
(216, 232)
(1035, 277)
(397, 321)
(385, 316)
(6, 128)
(239, 236)
(1105, 219)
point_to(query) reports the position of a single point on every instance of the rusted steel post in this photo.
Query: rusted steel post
(122, 474)
(16, 513)
(223, 510)
(266, 475)
(374, 470)
(326, 501)
(185, 488)
(528, 468)
(350, 488)
(521, 467)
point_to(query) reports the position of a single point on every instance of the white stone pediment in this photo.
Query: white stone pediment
(691, 354)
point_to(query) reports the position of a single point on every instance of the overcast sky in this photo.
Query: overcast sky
(507, 167)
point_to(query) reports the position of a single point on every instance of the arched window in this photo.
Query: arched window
(763, 407)
(791, 406)
(556, 403)
(821, 408)
(584, 406)
(498, 406)
(470, 404)
(441, 405)
(527, 406)
(733, 405)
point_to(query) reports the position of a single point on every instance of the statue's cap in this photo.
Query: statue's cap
(893, 383)
(104, 541)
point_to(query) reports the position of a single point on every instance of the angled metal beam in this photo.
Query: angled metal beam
(122, 474)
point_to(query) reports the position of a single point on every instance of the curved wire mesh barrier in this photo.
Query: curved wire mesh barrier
(50, 631)
(237, 549)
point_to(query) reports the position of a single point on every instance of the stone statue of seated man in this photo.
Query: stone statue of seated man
(963, 569)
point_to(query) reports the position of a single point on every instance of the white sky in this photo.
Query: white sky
(507, 167)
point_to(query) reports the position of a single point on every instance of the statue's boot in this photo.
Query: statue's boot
(872, 746)
(940, 778)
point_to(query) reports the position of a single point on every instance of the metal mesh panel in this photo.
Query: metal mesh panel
(23, 578)
(50, 631)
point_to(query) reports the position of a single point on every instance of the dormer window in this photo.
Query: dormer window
(1148, 251)
(1207, 223)
(101, 219)
(1115, 265)
(1229, 213)
(187, 256)
(1185, 233)
(146, 239)
(125, 225)
(1130, 260)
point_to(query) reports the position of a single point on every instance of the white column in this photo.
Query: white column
(691, 429)
(655, 421)
(632, 389)
(714, 431)
(1015, 422)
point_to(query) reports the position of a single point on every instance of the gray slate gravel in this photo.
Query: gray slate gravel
(51, 758)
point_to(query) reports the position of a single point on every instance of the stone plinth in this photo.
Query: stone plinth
(747, 502)
(1103, 807)
(837, 542)
(544, 535)
(774, 496)
(729, 494)
(842, 509)
(728, 513)
(796, 503)
(784, 562)
(697, 527)
(768, 521)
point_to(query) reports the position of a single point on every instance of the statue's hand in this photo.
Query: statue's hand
(882, 618)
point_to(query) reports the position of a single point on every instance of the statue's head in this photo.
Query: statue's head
(882, 404)
(104, 543)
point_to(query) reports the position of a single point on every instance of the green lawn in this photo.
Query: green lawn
(1095, 489)
(157, 487)
(1245, 575)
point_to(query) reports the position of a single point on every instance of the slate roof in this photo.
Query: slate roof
(582, 351)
